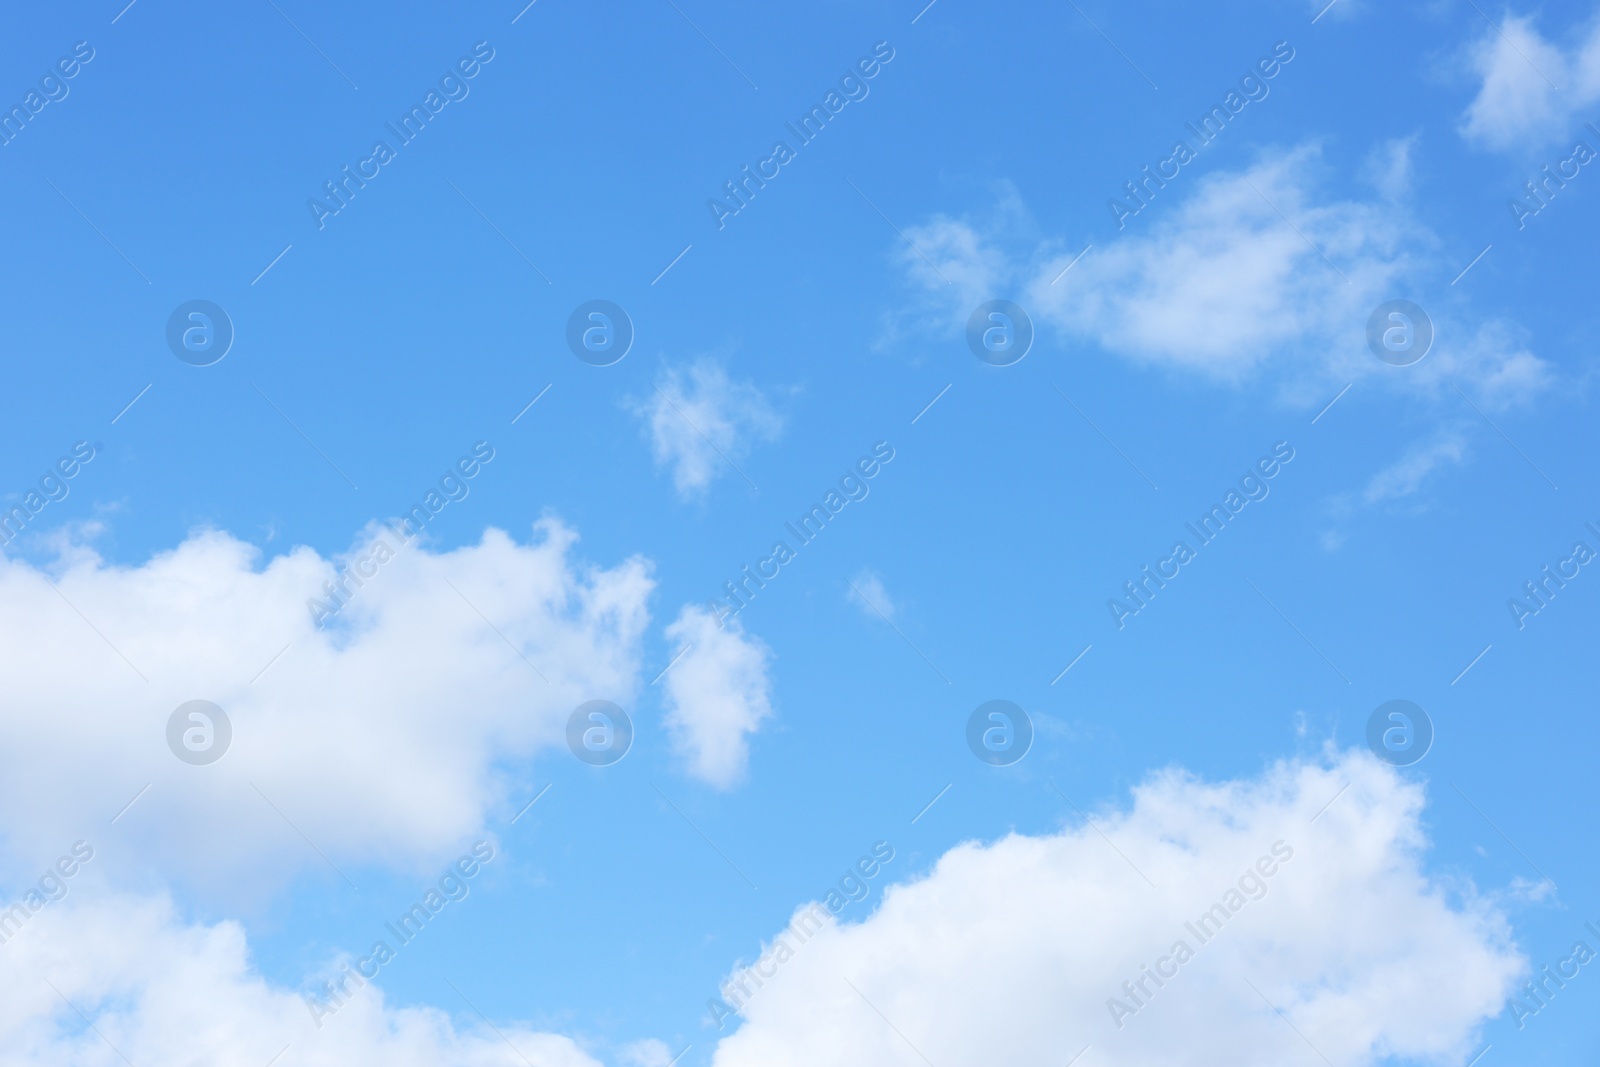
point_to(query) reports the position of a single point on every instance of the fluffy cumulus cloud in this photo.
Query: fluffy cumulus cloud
(384, 735)
(718, 694)
(701, 422)
(1244, 897)
(156, 989)
(1256, 273)
(1532, 90)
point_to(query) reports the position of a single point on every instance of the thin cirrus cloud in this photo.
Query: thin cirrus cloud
(385, 736)
(719, 693)
(701, 423)
(1365, 956)
(1532, 91)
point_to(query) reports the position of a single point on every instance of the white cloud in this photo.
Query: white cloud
(1407, 474)
(701, 422)
(1533, 90)
(1222, 285)
(164, 991)
(386, 736)
(868, 594)
(1388, 167)
(718, 694)
(1009, 952)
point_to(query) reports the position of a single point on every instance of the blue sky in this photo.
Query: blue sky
(822, 326)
